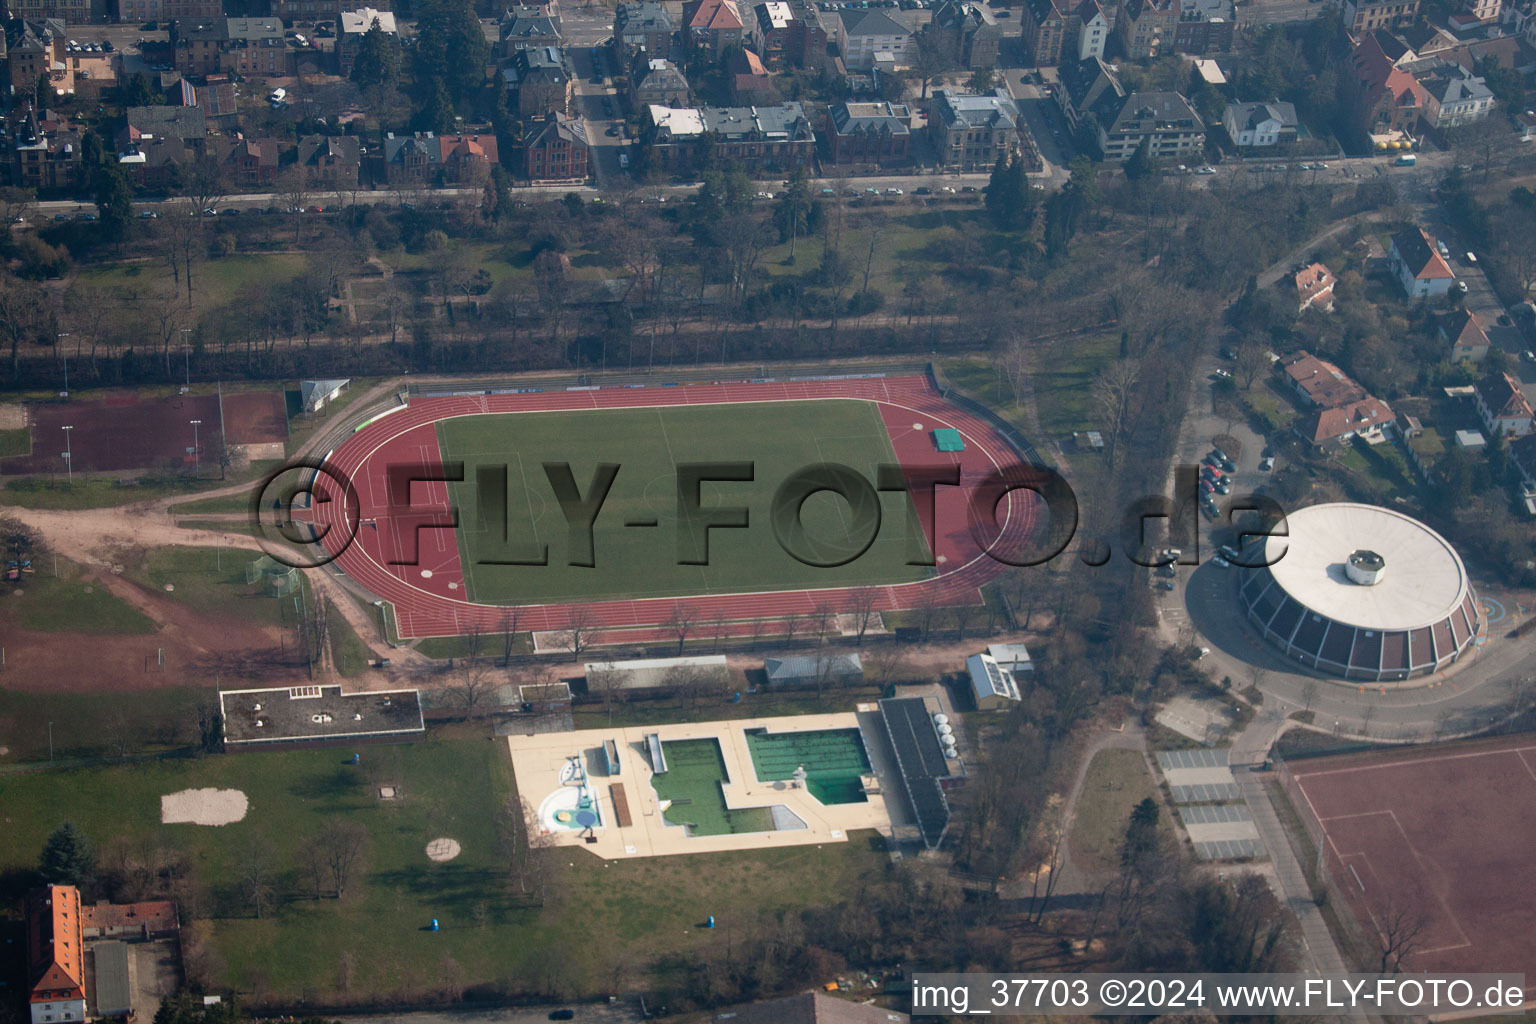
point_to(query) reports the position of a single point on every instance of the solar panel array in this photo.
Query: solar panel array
(1206, 792)
(1214, 814)
(1167, 759)
(1228, 849)
(921, 761)
(995, 677)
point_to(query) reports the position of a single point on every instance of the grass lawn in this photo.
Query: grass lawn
(211, 580)
(94, 724)
(347, 651)
(1117, 781)
(212, 280)
(779, 438)
(66, 604)
(443, 647)
(1061, 387)
(598, 913)
(15, 442)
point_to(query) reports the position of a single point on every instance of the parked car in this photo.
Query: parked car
(1267, 464)
(1164, 584)
(948, 190)
(1471, 257)
(922, 190)
(1220, 562)
(1229, 466)
(893, 191)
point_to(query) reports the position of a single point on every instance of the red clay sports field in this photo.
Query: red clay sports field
(429, 597)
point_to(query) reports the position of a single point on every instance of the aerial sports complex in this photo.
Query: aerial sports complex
(459, 505)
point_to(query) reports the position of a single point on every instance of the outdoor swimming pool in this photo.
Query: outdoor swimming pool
(833, 759)
(691, 783)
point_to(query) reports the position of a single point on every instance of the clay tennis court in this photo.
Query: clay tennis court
(1445, 834)
(125, 432)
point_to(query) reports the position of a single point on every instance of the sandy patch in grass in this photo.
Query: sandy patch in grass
(441, 850)
(203, 807)
(13, 416)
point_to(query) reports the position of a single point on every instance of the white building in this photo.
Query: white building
(1260, 124)
(863, 34)
(1094, 30)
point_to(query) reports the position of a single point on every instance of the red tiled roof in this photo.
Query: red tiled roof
(156, 915)
(715, 15)
(1464, 329)
(1327, 424)
(56, 954)
(1323, 383)
(1314, 283)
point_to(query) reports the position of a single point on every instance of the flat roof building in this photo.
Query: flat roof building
(318, 714)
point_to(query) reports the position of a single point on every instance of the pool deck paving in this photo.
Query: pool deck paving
(537, 761)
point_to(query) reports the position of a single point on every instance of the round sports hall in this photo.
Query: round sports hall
(1362, 592)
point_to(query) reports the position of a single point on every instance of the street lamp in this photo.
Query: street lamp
(197, 466)
(69, 454)
(186, 355)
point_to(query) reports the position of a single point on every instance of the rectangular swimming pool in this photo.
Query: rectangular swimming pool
(833, 759)
(695, 771)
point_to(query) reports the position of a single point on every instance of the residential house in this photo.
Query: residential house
(869, 133)
(157, 164)
(969, 31)
(1421, 270)
(525, 28)
(1337, 407)
(1165, 120)
(1145, 29)
(1362, 16)
(1522, 453)
(1319, 383)
(354, 25)
(310, 11)
(133, 11)
(1043, 32)
(1260, 124)
(331, 161)
(55, 955)
(1502, 406)
(970, 132)
(1204, 27)
(777, 138)
(427, 159)
(811, 1008)
(542, 81)
(1487, 12)
(1370, 418)
(65, 12)
(1314, 289)
(656, 80)
(864, 35)
(748, 77)
(1455, 95)
(1385, 98)
(644, 27)
(1092, 27)
(467, 159)
(1464, 332)
(188, 124)
(713, 26)
(249, 47)
(1085, 87)
(555, 149)
(993, 687)
(768, 31)
(247, 163)
(1507, 53)
(34, 48)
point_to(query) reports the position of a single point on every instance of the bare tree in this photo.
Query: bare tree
(580, 630)
(1400, 925)
(508, 627)
(822, 620)
(312, 869)
(256, 874)
(926, 609)
(608, 683)
(1114, 390)
(522, 840)
(341, 845)
(963, 614)
(1047, 842)
(862, 606)
(885, 663)
(680, 623)
(473, 684)
(1309, 693)
(1252, 361)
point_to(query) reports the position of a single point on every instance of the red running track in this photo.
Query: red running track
(429, 597)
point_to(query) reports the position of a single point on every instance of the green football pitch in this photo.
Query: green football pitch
(630, 561)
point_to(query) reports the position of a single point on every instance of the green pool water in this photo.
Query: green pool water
(833, 758)
(695, 770)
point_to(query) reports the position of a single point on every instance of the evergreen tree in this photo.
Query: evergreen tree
(68, 857)
(437, 114)
(1141, 164)
(1141, 833)
(114, 201)
(1008, 197)
(375, 63)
